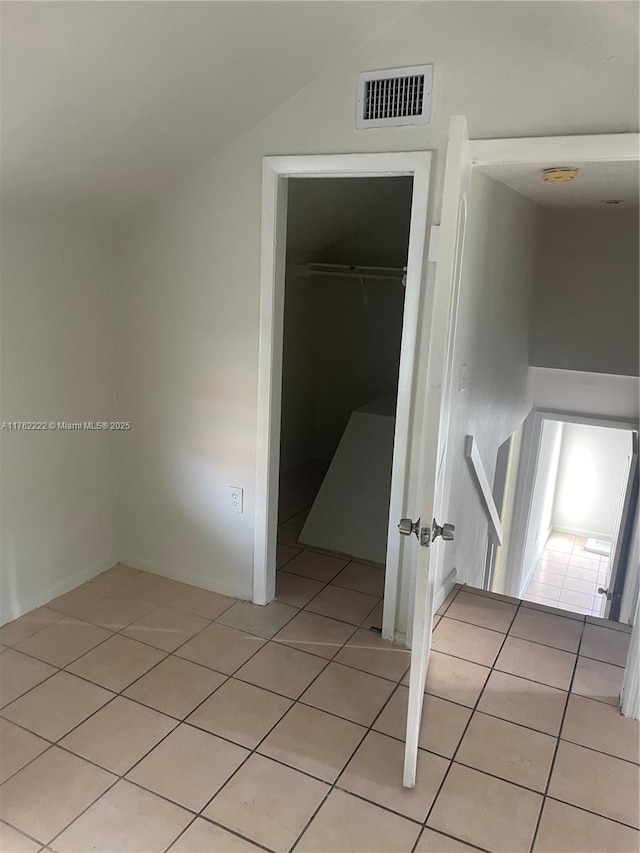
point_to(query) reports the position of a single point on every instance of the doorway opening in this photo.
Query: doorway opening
(325, 253)
(345, 274)
(581, 512)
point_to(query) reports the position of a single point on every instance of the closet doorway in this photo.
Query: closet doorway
(347, 273)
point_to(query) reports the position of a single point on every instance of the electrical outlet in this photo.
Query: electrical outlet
(236, 496)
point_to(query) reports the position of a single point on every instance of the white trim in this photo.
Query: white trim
(565, 150)
(13, 610)
(493, 516)
(630, 697)
(275, 172)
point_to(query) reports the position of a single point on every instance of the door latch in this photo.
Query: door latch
(425, 535)
(422, 534)
(609, 595)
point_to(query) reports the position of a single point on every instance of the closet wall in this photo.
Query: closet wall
(342, 337)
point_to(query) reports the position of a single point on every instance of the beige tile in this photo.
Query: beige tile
(296, 590)
(17, 748)
(351, 694)
(72, 601)
(487, 812)
(127, 819)
(584, 561)
(319, 635)
(288, 533)
(116, 663)
(350, 825)
(544, 591)
(317, 566)
(463, 640)
(562, 542)
(118, 735)
(549, 578)
(285, 553)
(188, 767)
(575, 601)
(598, 680)
(202, 602)
(313, 741)
(369, 652)
(588, 587)
(545, 628)
(45, 795)
(115, 611)
(375, 773)
(495, 596)
(267, 803)
(598, 783)
(605, 645)
(240, 712)
(175, 686)
(509, 751)
(343, 604)
(483, 611)
(525, 702)
(27, 625)
(64, 641)
(457, 680)
(442, 724)
(602, 727)
(447, 602)
(19, 673)
(435, 842)
(374, 619)
(606, 623)
(559, 557)
(282, 669)
(261, 621)
(361, 578)
(539, 663)
(166, 628)
(205, 837)
(12, 841)
(157, 588)
(57, 705)
(565, 828)
(552, 610)
(221, 648)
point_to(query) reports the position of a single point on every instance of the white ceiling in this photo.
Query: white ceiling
(594, 184)
(105, 104)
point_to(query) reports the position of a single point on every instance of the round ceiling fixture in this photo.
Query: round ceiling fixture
(559, 175)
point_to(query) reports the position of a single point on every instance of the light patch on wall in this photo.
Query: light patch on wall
(581, 481)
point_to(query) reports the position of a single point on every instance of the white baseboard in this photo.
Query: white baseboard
(205, 581)
(11, 610)
(587, 534)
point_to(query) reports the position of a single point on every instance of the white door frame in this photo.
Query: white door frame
(527, 474)
(275, 174)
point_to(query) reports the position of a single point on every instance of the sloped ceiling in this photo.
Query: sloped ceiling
(104, 105)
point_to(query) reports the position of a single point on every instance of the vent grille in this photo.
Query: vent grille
(395, 97)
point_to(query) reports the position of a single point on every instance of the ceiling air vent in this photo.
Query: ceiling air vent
(395, 97)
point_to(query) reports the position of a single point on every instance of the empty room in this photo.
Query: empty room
(319, 408)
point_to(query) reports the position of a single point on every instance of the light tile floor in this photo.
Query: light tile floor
(141, 714)
(568, 577)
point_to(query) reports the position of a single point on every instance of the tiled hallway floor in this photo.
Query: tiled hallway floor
(568, 577)
(139, 714)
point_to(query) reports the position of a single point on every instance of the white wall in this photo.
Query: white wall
(590, 480)
(580, 392)
(189, 288)
(57, 488)
(542, 498)
(586, 296)
(492, 341)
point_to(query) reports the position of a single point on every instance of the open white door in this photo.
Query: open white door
(432, 493)
(614, 583)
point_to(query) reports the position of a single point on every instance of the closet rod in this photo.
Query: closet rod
(353, 271)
